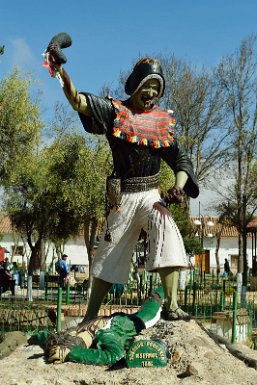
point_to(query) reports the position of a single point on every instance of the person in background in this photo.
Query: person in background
(64, 273)
(226, 268)
(6, 280)
(15, 267)
(8, 265)
(140, 135)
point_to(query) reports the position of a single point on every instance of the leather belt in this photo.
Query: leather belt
(138, 184)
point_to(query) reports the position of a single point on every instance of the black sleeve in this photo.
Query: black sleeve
(177, 159)
(103, 115)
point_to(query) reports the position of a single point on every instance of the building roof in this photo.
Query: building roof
(252, 225)
(5, 225)
(226, 231)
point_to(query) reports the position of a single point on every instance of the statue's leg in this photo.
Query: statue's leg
(112, 261)
(170, 277)
(99, 290)
(167, 255)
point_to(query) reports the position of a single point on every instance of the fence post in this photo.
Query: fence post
(151, 283)
(194, 295)
(222, 300)
(59, 309)
(185, 299)
(68, 293)
(191, 278)
(46, 287)
(140, 289)
(250, 310)
(224, 285)
(46, 292)
(234, 317)
(194, 275)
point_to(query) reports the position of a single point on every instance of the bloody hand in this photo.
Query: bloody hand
(174, 195)
(162, 209)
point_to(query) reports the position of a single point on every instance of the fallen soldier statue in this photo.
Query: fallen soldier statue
(104, 340)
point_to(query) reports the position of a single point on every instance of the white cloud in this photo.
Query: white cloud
(22, 56)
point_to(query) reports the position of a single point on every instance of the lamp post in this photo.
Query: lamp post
(199, 223)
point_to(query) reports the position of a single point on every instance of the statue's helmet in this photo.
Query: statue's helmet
(144, 70)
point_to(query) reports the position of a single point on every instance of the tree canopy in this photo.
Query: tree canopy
(19, 121)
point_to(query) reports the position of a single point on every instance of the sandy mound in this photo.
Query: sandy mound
(195, 359)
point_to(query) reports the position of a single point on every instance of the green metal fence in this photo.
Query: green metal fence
(201, 297)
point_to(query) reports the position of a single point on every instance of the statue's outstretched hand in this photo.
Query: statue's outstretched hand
(174, 195)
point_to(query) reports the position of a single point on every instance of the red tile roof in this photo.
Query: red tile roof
(252, 224)
(226, 231)
(5, 225)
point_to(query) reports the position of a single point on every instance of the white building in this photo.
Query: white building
(209, 231)
(17, 249)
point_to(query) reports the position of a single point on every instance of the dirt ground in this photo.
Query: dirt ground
(195, 359)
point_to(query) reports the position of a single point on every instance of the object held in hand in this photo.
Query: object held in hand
(59, 41)
(54, 52)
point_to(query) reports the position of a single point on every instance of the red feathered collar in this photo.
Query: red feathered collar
(151, 128)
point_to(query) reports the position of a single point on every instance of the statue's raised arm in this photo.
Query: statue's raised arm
(54, 59)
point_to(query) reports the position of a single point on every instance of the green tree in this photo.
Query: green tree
(93, 164)
(26, 203)
(195, 97)
(238, 78)
(37, 205)
(53, 193)
(79, 168)
(19, 121)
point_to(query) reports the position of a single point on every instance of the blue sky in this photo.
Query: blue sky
(108, 36)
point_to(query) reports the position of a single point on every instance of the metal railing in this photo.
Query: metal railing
(201, 297)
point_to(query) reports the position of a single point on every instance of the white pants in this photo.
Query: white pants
(166, 248)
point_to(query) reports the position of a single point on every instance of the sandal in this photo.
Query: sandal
(173, 315)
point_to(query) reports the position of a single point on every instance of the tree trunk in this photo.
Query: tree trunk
(34, 263)
(90, 229)
(218, 235)
(86, 226)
